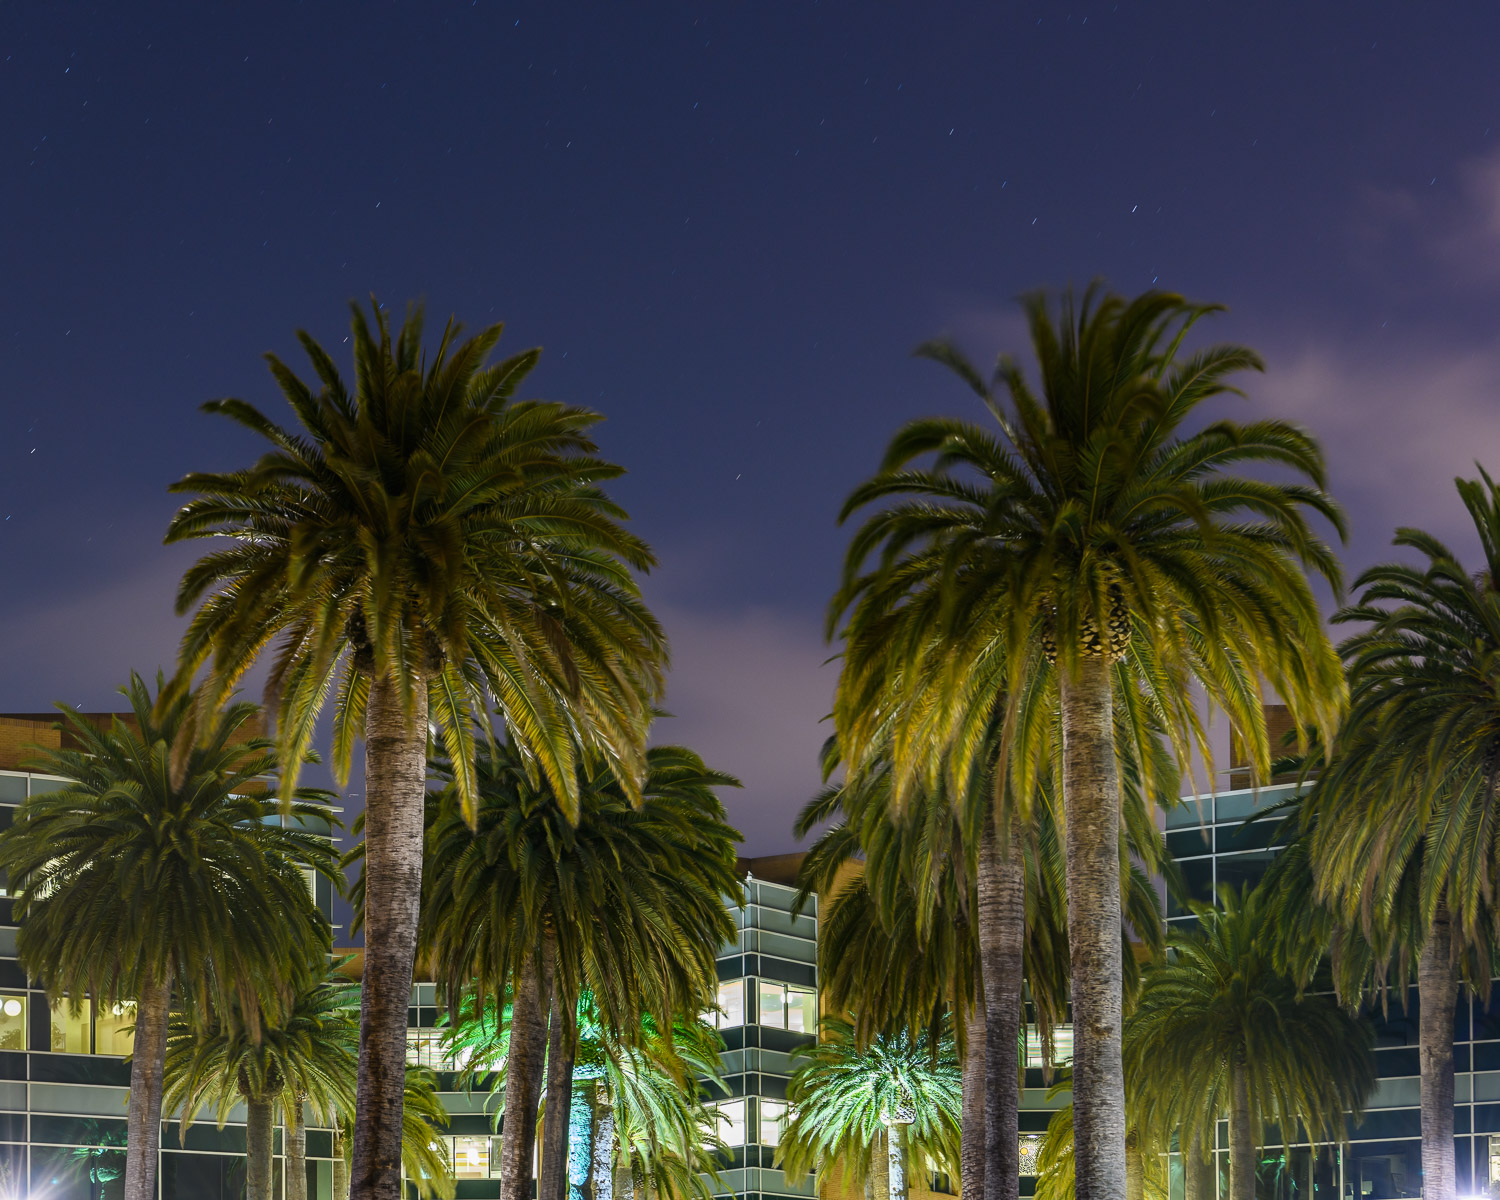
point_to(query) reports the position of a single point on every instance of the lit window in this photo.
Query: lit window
(425, 1048)
(731, 1118)
(731, 1001)
(786, 1006)
(1031, 1145)
(773, 1116)
(1062, 1047)
(12, 1021)
(114, 1030)
(474, 1157)
(70, 1032)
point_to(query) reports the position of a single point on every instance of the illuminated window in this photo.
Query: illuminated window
(425, 1048)
(1031, 1144)
(731, 1118)
(1062, 1046)
(70, 1033)
(731, 1001)
(773, 1116)
(786, 1006)
(114, 1030)
(474, 1157)
(12, 1021)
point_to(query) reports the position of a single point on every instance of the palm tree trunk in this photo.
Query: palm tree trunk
(1091, 808)
(296, 1152)
(1002, 932)
(1198, 1175)
(147, 1064)
(523, 1074)
(1135, 1167)
(895, 1144)
(1437, 993)
(340, 1167)
(1241, 1137)
(879, 1184)
(395, 789)
(603, 1167)
(552, 1183)
(260, 1135)
(972, 1143)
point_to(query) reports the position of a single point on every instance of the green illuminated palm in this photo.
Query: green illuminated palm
(422, 547)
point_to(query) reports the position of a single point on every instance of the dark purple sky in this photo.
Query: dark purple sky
(728, 224)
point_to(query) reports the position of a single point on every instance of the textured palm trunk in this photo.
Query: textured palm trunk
(143, 1116)
(296, 1152)
(1198, 1175)
(552, 1181)
(340, 1166)
(1091, 807)
(972, 1144)
(1241, 1137)
(523, 1075)
(895, 1145)
(1135, 1167)
(878, 1186)
(395, 786)
(1437, 993)
(260, 1134)
(1002, 933)
(602, 1169)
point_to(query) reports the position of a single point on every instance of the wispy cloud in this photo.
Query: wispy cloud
(1453, 226)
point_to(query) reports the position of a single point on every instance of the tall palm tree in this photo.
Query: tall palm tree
(135, 885)
(1408, 824)
(424, 1157)
(1145, 1169)
(627, 902)
(872, 1108)
(424, 546)
(1219, 1030)
(1093, 527)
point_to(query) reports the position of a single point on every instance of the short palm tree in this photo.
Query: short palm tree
(424, 547)
(1407, 818)
(135, 885)
(1097, 525)
(1219, 1031)
(873, 1108)
(627, 903)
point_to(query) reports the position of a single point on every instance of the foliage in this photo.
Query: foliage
(1217, 1006)
(842, 1092)
(123, 875)
(430, 529)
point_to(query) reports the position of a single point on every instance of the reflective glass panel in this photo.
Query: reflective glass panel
(114, 1030)
(772, 1121)
(70, 1033)
(12, 1021)
(773, 1004)
(731, 1004)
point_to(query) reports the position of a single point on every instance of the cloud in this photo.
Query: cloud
(748, 691)
(1453, 229)
(1397, 428)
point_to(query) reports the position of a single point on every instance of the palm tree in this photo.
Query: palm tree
(627, 903)
(1091, 529)
(1145, 1170)
(1408, 826)
(137, 886)
(637, 1104)
(871, 1107)
(424, 1157)
(1219, 1030)
(423, 547)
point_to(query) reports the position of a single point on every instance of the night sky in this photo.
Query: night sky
(728, 225)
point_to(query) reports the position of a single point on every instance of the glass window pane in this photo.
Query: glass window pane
(471, 1157)
(731, 1116)
(1062, 1047)
(114, 1030)
(802, 1010)
(773, 1004)
(12, 1021)
(731, 1004)
(70, 1033)
(772, 1122)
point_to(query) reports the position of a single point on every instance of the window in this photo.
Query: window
(12, 1021)
(1062, 1047)
(1031, 1145)
(941, 1181)
(773, 1115)
(731, 1119)
(114, 1030)
(70, 1033)
(731, 1001)
(787, 1006)
(425, 1048)
(474, 1157)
